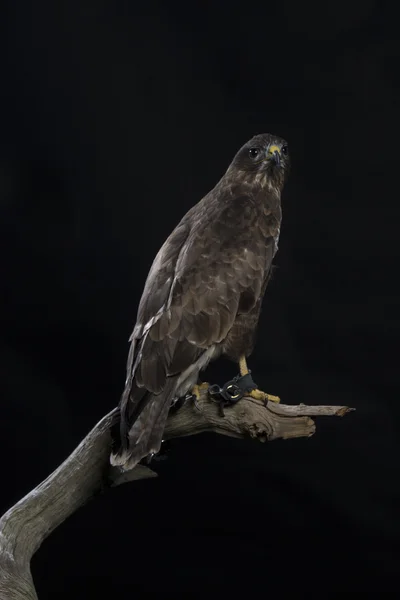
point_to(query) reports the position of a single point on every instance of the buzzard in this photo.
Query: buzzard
(203, 294)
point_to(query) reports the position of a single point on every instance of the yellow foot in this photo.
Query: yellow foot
(259, 395)
(196, 389)
(243, 366)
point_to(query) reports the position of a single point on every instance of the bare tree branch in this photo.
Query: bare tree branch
(87, 471)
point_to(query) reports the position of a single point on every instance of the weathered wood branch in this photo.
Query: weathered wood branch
(87, 472)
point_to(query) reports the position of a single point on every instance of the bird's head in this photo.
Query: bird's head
(264, 159)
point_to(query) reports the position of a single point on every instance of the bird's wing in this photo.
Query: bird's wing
(198, 284)
(157, 290)
(211, 269)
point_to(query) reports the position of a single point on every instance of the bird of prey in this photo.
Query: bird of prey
(203, 294)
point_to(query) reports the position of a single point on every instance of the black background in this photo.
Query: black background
(116, 118)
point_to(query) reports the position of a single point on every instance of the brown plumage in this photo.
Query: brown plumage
(203, 294)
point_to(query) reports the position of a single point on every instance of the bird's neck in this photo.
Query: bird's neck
(256, 186)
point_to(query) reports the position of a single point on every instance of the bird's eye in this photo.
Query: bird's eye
(254, 152)
(284, 149)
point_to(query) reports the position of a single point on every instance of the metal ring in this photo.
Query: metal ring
(233, 396)
(214, 390)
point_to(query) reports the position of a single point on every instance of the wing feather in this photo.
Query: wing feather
(209, 270)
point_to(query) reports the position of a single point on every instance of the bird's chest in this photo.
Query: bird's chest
(243, 229)
(264, 230)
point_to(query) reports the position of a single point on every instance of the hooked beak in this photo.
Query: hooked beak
(274, 153)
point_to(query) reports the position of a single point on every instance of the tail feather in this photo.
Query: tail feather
(143, 417)
(133, 401)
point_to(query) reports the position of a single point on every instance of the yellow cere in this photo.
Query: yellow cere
(273, 149)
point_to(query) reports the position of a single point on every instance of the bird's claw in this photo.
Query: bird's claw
(195, 393)
(263, 396)
(197, 389)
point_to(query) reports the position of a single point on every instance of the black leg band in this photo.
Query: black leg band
(234, 390)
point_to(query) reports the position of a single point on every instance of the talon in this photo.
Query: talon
(272, 398)
(259, 395)
(203, 386)
(197, 388)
